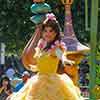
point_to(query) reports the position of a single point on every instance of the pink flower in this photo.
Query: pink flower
(50, 16)
(41, 43)
(57, 42)
(49, 51)
(53, 47)
(63, 46)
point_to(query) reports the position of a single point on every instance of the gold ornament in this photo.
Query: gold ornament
(38, 1)
(68, 2)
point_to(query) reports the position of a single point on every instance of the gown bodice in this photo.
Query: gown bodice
(47, 63)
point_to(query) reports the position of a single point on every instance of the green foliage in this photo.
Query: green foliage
(16, 27)
(78, 12)
(98, 63)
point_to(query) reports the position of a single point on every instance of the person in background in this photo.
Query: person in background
(5, 87)
(10, 72)
(1, 70)
(25, 77)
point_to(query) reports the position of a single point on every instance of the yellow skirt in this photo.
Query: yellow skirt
(48, 87)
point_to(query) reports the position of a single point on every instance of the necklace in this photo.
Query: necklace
(57, 44)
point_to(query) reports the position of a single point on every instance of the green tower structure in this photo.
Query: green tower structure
(93, 31)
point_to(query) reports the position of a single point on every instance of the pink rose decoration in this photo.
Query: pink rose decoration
(49, 51)
(50, 16)
(53, 47)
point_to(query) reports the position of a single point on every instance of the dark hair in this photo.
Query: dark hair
(56, 27)
(6, 79)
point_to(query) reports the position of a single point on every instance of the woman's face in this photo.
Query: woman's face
(49, 34)
(4, 82)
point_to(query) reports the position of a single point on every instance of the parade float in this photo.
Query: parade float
(75, 50)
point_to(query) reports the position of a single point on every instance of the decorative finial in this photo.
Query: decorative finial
(70, 39)
(38, 1)
(67, 2)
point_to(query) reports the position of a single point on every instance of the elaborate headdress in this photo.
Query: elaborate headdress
(39, 10)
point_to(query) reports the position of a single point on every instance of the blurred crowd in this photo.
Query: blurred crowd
(9, 85)
(13, 79)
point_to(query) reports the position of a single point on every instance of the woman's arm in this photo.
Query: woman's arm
(63, 57)
(8, 92)
(29, 50)
(1, 89)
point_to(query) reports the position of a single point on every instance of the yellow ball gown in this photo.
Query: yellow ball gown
(47, 84)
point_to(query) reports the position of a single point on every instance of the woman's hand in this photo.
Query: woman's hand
(68, 62)
(63, 57)
(33, 68)
(5, 83)
(4, 86)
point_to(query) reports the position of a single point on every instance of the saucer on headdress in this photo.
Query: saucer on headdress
(37, 19)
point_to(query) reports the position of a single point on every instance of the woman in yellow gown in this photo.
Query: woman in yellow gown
(47, 84)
